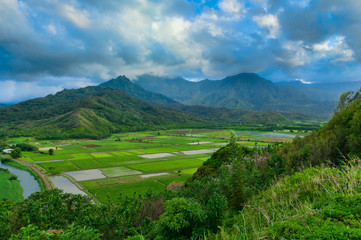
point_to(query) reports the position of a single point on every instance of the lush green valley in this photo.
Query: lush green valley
(97, 112)
(305, 189)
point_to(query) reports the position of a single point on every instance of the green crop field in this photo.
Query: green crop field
(112, 193)
(189, 171)
(99, 182)
(119, 171)
(167, 181)
(118, 157)
(167, 165)
(57, 167)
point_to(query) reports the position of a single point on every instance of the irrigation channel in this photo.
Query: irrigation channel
(27, 182)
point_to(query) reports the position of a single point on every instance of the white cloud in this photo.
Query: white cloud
(270, 22)
(233, 7)
(303, 81)
(334, 48)
(79, 17)
(13, 91)
(52, 29)
(296, 54)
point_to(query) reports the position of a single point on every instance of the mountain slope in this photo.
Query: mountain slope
(88, 112)
(323, 91)
(242, 91)
(204, 112)
(135, 90)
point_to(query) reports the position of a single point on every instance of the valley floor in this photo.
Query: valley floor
(134, 162)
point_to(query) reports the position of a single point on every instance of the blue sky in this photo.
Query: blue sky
(49, 45)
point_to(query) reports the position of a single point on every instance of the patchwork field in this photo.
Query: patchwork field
(136, 162)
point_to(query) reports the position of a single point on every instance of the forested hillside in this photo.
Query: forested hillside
(96, 112)
(302, 190)
(87, 112)
(220, 114)
(242, 91)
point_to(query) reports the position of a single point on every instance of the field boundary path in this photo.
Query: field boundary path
(35, 169)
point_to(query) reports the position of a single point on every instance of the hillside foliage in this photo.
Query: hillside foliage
(308, 189)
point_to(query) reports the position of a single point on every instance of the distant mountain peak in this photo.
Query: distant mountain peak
(123, 83)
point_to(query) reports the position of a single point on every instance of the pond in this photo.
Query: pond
(272, 134)
(27, 182)
(66, 185)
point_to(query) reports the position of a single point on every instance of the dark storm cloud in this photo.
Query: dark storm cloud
(77, 42)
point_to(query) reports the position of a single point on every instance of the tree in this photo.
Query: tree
(3, 142)
(237, 185)
(51, 151)
(346, 98)
(183, 218)
(16, 153)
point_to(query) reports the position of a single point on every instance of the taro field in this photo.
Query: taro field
(129, 163)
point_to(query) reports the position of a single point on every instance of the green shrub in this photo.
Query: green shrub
(183, 218)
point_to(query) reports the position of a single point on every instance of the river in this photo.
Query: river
(27, 182)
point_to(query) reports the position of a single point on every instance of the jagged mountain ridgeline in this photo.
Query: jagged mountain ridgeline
(117, 105)
(243, 91)
(204, 112)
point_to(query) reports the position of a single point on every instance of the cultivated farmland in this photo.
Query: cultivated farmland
(134, 162)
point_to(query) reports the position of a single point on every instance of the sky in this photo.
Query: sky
(49, 45)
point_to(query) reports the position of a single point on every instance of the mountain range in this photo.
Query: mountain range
(323, 91)
(246, 91)
(98, 111)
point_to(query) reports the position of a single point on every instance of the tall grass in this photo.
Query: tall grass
(296, 196)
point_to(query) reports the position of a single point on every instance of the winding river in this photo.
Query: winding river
(27, 182)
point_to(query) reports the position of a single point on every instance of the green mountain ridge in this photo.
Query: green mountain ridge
(123, 83)
(88, 112)
(204, 112)
(245, 91)
(96, 112)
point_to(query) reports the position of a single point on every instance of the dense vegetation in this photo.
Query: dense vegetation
(96, 112)
(93, 112)
(308, 189)
(219, 115)
(243, 91)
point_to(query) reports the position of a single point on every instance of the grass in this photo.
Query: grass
(46, 157)
(86, 163)
(167, 181)
(188, 171)
(80, 156)
(57, 167)
(9, 189)
(130, 178)
(112, 193)
(101, 155)
(99, 182)
(300, 196)
(119, 171)
(167, 165)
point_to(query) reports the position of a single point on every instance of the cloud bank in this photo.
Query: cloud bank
(53, 44)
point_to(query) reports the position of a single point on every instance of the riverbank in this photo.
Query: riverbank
(40, 177)
(10, 188)
(29, 181)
